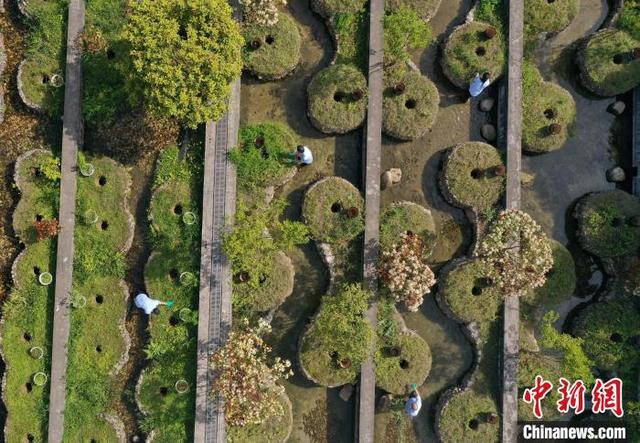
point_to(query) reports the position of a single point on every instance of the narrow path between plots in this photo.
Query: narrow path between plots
(71, 140)
(371, 250)
(510, 347)
(636, 141)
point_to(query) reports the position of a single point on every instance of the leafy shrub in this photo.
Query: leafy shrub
(46, 228)
(50, 168)
(630, 18)
(261, 12)
(404, 31)
(491, 11)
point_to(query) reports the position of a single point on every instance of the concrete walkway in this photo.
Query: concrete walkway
(214, 321)
(514, 155)
(371, 156)
(71, 140)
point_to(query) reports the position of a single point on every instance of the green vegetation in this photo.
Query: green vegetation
(399, 218)
(327, 8)
(410, 104)
(172, 347)
(629, 20)
(467, 419)
(605, 226)
(333, 210)
(262, 156)
(606, 64)
(548, 364)
(272, 431)
(468, 51)
(45, 55)
(402, 357)
(338, 99)
(549, 113)
(426, 9)
(473, 176)
(561, 280)
(404, 31)
(28, 311)
(271, 52)
(185, 55)
(491, 11)
(551, 17)
(339, 338)
(470, 294)
(351, 31)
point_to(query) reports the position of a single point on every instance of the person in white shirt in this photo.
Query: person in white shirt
(479, 84)
(304, 156)
(150, 305)
(413, 404)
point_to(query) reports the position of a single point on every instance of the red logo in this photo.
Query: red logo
(536, 394)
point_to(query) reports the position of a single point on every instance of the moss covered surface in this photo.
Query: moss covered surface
(545, 105)
(606, 67)
(468, 176)
(333, 108)
(326, 210)
(425, 8)
(277, 48)
(548, 16)
(469, 294)
(273, 431)
(327, 8)
(410, 114)
(399, 218)
(561, 280)
(468, 51)
(465, 411)
(351, 31)
(604, 223)
(549, 366)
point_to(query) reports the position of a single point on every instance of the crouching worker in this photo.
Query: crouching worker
(413, 404)
(150, 305)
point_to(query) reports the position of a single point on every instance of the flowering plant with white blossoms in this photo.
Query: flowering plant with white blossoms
(517, 252)
(261, 12)
(247, 379)
(405, 272)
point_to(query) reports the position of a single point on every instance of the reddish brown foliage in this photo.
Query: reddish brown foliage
(46, 228)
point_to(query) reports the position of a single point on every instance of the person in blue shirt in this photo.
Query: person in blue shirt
(479, 84)
(413, 404)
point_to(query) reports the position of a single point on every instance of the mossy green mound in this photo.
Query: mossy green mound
(548, 16)
(473, 176)
(549, 366)
(402, 217)
(606, 223)
(339, 340)
(606, 65)
(98, 430)
(169, 214)
(468, 51)
(401, 360)
(272, 289)
(549, 113)
(271, 52)
(327, 8)
(333, 210)
(425, 8)
(407, 115)
(465, 419)
(273, 431)
(469, 293)
(561, 279)
(337, 99)
(262, 158)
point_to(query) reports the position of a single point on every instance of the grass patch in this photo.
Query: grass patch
(409, 114)
(606, 65)
(471, 175)
(271, 52)
(549, 113)
(337, 99)
(491, 11)
(549, 366)
(604, 223)
(561, 279)
(544, 16)
(470, 294)
(333, 210)
(328, 8)
(629, 20)
(262, 158)
(426, 9)
(468, 51)
(464, 419)
(339, 339)
(272, 431)
(352, 30)
(399, 218)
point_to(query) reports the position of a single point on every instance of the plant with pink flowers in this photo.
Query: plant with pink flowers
(247, 378)
(261, 12)
(405, 272)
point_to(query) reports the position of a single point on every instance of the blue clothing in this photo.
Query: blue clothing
(477, 86)
(146, 303)
(408, 406)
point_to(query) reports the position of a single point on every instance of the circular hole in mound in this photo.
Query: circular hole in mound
(480, 51)
(174, 274)
(410, 104)
(551, 1)
(164, 391)
(555, 128)
(36, 270)
(111, 54)
(476, 173)
(269, 39)
(393, 351)
(104, 225)
(45, 79)
(473, 424)
(616, 337)
(262, 279)
(617, 222)
(476, 290)
(30, 437)
(37, 172)
(338, 96)
(26, 336)
(28, 386)
(550, 113)
(259, 142)
(255, 44)
(38, 217)
(174, 321)
(177, 209)
(618, 59)
(93, 440)
(336, 207)
(98, 348)
(102, 180)
(182, 31)
(99, 299)
(404, 364)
